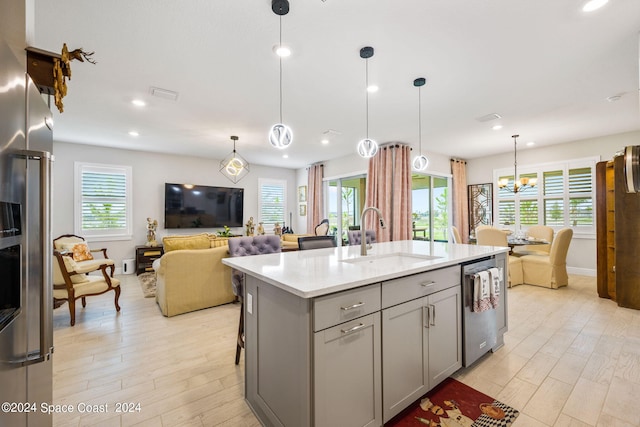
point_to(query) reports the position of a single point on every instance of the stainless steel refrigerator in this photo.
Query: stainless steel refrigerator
(26, 334)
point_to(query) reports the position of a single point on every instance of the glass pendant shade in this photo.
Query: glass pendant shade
(280, 136)
(420, 162)
(367, 148)
(234, 166)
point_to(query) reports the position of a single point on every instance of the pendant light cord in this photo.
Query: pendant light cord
(419, 121)
(366, 68)
(280, 58)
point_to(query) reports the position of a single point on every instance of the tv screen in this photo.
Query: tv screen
(201, 206)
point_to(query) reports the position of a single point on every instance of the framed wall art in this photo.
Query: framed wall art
(302, 193)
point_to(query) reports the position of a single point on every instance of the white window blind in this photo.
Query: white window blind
(272, 202)
(102, 201)
(564, 196)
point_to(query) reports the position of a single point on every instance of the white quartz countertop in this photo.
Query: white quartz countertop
(317, 272)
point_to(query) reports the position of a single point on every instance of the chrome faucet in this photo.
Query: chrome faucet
(363, 233)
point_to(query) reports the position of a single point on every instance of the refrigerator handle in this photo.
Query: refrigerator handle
(46, 298)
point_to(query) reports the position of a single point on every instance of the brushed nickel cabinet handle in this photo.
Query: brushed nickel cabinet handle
(351, 307)
(353, 329)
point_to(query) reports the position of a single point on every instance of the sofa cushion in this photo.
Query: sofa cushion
(217, 241)
(195, 241)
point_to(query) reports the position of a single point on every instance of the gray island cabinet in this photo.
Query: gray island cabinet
(336, 339)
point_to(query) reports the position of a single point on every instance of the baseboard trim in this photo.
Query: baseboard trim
(582, 271)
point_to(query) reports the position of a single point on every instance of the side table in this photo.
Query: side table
(145, 255)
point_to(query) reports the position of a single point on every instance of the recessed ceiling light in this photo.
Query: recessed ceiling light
(592, 5)
(531, 143)
(325, 141)
(139, 103)
(497, 127)
(372, 88)
(285, 156)
(282, 50)
(134, 133)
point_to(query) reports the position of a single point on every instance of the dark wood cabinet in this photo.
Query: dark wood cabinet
(145, 256)
(618, 235)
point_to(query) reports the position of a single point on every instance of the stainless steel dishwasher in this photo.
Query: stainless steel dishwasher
(479, 330)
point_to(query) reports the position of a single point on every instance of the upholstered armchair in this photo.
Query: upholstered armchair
(540, 232)
(549, 270)
(70, 282)
(455, 235)
(82, 255)
(246, 246)
(316, 242)
(490, 236)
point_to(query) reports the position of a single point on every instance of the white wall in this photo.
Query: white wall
(150, 172)
(581, 258)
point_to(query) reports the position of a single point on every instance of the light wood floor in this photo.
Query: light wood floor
(570, 359)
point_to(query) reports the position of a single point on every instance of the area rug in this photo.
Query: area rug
(148, 284)
(453, 404)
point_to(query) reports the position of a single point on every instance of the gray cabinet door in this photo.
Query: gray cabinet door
(445, 339)
(404, 355)
(347, 374)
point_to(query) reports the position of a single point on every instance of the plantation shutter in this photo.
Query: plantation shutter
(272, 200)
(103, 202)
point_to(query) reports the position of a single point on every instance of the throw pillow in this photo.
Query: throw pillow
(196, 241)
(81, 252)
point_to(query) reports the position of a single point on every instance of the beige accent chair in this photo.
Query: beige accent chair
(540, 232)
(190, 275)
(549, 270)
(82, 255)
(490, 236)
(71, 282)
(455, 234)
(322, 229)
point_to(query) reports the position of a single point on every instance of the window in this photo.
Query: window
(564, 196)
(345, 201)
(102, 201)
(272, 202)
(430, 204)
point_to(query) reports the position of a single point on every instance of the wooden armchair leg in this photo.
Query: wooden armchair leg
(84, 302)
(240, 340)
(113, 267)
(72, 310)
(117, 290)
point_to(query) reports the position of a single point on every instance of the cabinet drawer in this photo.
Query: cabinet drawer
(333, 309)
(418, 285)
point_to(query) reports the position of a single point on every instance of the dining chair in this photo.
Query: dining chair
(490, 236)
(71, 282)
(323, 228)
(455, 234)
(355, 237)
(542, 232)
(549, 270)
(316, 242)
(247, 246)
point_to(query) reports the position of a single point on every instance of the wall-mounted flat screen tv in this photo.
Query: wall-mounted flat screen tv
(201, 206)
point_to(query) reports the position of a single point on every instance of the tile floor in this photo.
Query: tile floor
(570, 359)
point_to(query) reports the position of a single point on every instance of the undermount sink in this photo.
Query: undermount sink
(398, 258)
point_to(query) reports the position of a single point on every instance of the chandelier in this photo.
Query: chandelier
(234, 166)
(518, 184)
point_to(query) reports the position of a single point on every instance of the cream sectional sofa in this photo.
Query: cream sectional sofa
(190, 275)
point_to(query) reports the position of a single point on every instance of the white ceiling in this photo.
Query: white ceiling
(544, 65)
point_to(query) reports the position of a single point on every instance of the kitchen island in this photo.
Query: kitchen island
(335, 338)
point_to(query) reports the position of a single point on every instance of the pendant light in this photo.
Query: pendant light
(367, 147)
(420, 162)
(280, 135)
(234, 166)
(518, 184)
